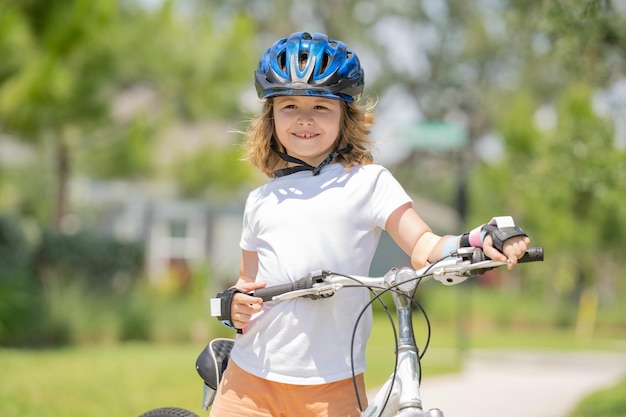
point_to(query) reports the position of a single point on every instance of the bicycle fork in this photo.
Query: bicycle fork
(400, 395)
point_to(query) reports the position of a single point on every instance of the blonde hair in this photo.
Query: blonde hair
(356, 121)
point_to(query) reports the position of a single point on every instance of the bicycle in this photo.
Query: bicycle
(400, 394)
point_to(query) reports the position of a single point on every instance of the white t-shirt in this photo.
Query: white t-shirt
(302, 223)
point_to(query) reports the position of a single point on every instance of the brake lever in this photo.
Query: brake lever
(450, 275)
(318, 291)
(455, 271)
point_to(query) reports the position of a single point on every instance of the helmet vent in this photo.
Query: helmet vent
(304, 57)
(325, 63)
(282, 61)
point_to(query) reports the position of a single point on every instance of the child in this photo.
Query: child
(323, 208)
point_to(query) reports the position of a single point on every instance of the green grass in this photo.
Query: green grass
(609, 402)
(123, 380)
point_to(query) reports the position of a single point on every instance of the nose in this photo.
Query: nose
(305, 118)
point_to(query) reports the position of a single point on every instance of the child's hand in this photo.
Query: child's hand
(513, 249)
(244, 306)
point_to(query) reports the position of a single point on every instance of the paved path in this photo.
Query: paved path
(522, 384)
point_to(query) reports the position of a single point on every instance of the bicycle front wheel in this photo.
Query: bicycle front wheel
(169, 412)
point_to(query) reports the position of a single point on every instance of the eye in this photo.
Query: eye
(286, 105)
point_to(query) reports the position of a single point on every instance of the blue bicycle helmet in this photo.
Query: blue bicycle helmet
(308, 65)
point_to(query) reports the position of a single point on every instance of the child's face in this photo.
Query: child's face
(307, 126)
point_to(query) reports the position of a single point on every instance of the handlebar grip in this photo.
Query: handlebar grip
(268, 293)
(533, 254)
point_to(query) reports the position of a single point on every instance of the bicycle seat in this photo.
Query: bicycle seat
(211, 364)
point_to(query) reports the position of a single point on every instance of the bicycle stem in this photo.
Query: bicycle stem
(400, 395)
(408, 355)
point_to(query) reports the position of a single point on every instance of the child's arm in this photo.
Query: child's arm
(416, 238)
(248, 267)
(244, 306)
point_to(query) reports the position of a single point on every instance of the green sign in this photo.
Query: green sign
(435, 136)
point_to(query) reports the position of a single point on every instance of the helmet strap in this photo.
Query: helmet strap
(300, 164)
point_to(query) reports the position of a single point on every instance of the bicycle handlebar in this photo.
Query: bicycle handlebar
(533, 254)
(460, 265)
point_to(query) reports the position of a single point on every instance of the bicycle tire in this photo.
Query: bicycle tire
(169, 412)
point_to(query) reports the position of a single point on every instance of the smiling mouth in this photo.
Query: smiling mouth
(305, 135)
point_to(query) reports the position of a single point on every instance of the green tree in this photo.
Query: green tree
(69, 60)
(574, 51)
(211, 169)
(567, 180)
(584, 38)
(41, 97)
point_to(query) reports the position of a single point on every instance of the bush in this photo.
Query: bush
(77, 296)
(17, 312)
(18, 297)
(93, 259)
(87, 289)
(15, 252)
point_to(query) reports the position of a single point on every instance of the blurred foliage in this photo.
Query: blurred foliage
(95, 260)
(16, 280)
(15, 252)
(211, 169)
(562, 186)
(125, 155)
(70, 60)
(584, 37)
(85, 289)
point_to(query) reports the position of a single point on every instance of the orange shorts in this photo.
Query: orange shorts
(242, 394)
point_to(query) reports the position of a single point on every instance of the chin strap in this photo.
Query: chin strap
(301, 165)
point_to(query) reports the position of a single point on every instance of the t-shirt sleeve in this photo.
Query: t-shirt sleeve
(387, 195)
